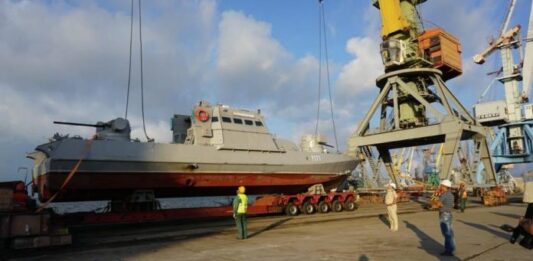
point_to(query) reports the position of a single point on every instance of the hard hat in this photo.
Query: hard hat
(446, 183)
(392, 185)
(241, 189)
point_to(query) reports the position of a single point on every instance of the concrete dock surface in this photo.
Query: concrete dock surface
(332, 236)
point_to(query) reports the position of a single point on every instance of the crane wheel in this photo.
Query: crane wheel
(308, 208)
(350, 205)
(291, 209)
(323, 207)
(336, 206)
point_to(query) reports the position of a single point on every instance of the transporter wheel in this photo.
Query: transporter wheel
(308, 208)
(350, 205)
(323, 207)
(336, 206)
(291, 209)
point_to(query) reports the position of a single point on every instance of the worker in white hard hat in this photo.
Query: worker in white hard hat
(390, 201)
(240, 205)
(445, 217)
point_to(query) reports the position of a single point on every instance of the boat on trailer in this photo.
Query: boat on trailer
(214, 150)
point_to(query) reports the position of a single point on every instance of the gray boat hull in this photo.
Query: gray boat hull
(114, 169)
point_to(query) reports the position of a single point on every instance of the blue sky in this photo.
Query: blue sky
(67, 60)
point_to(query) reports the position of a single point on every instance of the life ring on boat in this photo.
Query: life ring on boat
(201, 115)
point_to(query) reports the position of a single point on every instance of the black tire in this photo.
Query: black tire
(350, 205)
(291, 209)
(323, 207)
(336, 206)
(308, 208)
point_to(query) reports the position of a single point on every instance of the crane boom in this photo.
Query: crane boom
(505, 38)
(510, 11)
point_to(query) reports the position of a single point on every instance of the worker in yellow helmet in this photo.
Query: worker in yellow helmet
(240, 204)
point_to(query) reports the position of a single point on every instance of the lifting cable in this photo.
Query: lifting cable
(322, 29)
(141, 68)
(129, 69)
(319, 64)
(419, 15)
(142, 79)
(507, 18)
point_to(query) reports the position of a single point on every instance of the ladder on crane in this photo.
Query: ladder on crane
(374, 164)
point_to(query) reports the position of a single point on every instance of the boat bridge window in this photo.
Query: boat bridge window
(249, 122)
(226, 119)
(237, 121)
(258, 123)
(214, 119)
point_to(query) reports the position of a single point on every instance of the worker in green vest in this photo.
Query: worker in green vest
(240, 204)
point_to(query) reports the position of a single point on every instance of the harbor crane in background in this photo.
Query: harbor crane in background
(511, 117)
(416, 107)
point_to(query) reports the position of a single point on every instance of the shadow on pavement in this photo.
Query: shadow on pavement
(269, 227)
(505, 227)
(515, 216)
(430, 245)
(420, 200)
(385, 220)
(486, 228)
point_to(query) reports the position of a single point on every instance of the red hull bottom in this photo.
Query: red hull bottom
(107, 186)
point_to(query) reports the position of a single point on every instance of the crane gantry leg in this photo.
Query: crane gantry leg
(453, 122)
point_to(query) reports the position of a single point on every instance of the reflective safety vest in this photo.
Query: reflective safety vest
(243, 205)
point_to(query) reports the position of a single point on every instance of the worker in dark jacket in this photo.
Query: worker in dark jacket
(240, 204)
(445, 217)
(525, 224)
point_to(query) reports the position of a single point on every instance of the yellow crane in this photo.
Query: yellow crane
(417, 64)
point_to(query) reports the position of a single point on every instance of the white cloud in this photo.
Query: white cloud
(254, 70)
(249, 61)
(245, 42)
(68, 62)
(359, 75)
(157, 130)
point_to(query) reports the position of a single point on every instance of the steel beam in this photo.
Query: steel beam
(454, 125)
(363, 126)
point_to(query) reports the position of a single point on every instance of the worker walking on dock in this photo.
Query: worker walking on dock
(445, 217)
(240, 204)
(463, 196)
(390, 201)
